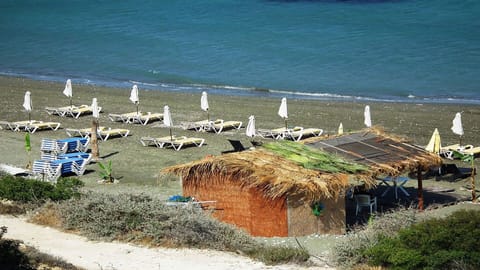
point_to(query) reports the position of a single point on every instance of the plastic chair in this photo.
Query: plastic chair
(365, 201)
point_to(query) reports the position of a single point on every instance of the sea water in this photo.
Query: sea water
(403, 50)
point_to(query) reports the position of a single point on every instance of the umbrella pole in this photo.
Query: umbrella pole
(208, 116)
(171, 136)
(286, 125)
(71, 104)
(95, 151)
(474, 195)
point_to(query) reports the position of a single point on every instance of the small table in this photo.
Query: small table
(397, 183)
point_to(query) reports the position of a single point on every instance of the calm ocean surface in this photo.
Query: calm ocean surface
(398, 50)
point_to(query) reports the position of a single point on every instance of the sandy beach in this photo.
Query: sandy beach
(137, 167)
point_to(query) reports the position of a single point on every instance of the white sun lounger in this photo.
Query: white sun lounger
(106, 133)
(219, 125)
(203, 125)
(175, 142)
(146, 118)
(122, 117)
(299, 133)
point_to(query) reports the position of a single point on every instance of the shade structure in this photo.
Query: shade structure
(457, 127)
(68, 91)
(434, 144)
(250, 131)
(27, 103)
(134, 96)
(340, 129)
(95, 110)
(167, 119)
(368, 118)
(283, 111)
(204, 103)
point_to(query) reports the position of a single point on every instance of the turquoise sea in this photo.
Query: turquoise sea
(398, 50)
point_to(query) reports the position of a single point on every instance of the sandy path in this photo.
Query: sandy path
(101, 255)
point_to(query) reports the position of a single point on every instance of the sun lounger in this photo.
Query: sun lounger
(53, 156)
(203, 125)
(41, 126)
(106, 133)
(62, 146)
(297, 134)
(219, 125)
(72, 111)
(7, 125)
(178, 143)
(472, 151)
(278, 133)
(81, 132)
(175, 142)
(145, 118)
(53, 169)
(123, 117)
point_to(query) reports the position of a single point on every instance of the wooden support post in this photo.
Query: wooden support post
(93, 138)
(420, 188)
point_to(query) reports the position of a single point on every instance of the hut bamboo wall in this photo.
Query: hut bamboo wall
(244, 207)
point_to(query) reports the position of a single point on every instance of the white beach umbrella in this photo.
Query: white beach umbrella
(204, 104)
(457, 127)
(27, 103)
(340, 129)
(68, 90)
(134, 96)
(283, 111)
(434, 144)
(167, 119)
(250, 131)
(95, 110)
(368, 119)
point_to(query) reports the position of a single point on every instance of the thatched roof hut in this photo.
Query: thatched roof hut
(272, 190)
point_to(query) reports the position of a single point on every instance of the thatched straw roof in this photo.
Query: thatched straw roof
(384, 154)
(277, 176)
(273, 175)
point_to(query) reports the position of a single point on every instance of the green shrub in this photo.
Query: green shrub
(143, 219)
(446, 243)
(28, 190)
(350, 250)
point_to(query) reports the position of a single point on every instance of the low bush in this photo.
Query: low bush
(143, 219)
(28, 190)
(350, 251)
(448, 243)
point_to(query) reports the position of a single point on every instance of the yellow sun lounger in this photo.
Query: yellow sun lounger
(175, 142)
(277, 133)
(32, 127)
(122, 117)
(82, 132)
(144, 119)
(219, 125)
(72, 111)
(299, 133)
(202, 125)
(106, 133)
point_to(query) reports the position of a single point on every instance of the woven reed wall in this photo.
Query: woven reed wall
(245, 208)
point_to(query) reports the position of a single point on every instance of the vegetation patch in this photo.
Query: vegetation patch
(23, 190)
(142, 219)
(447, 243)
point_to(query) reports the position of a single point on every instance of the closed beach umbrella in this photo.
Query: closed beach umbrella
(250, 131)
(134, 96)
(95, 110)
(27, 103)
(283, 111)
(167, 119)
(94, 142)
(434, 144)
(204, 104)
(457, 126)
(340, 129)
(68, 90)
(368, 119)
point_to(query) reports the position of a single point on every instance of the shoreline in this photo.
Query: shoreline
(246, 91)
(136, 165)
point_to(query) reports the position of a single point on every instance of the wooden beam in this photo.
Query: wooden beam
(420, 188)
